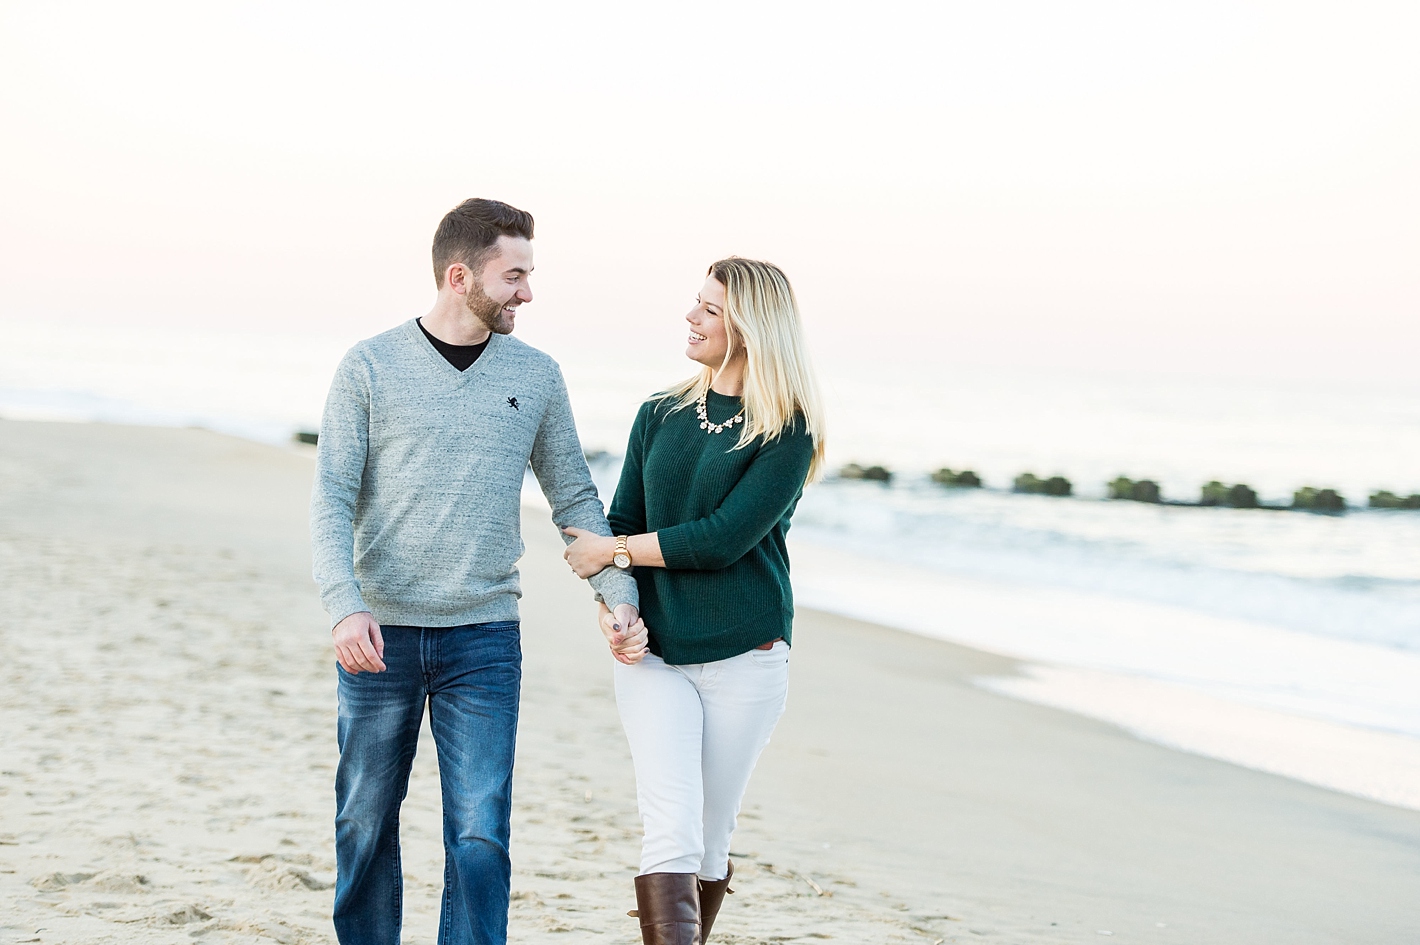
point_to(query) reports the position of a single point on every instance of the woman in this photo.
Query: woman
(713, 471)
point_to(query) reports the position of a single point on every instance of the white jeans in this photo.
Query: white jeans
(696, 732)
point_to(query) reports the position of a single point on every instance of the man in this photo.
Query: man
(416, 533)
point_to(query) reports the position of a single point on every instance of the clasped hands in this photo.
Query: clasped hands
(625, 633)
(589, 554)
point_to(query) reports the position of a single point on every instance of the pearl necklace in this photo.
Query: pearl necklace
(705, 423)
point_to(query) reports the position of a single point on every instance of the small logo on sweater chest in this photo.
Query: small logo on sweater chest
(513, 402)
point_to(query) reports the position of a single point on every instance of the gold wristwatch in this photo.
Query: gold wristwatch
(622, 557)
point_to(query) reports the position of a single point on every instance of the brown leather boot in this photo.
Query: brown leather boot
(668, 905)
(712, 894)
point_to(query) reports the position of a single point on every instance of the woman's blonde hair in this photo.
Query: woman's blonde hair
(762, 318)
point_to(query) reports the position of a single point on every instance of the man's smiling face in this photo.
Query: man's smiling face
(494, 297)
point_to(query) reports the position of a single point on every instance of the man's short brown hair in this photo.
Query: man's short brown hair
(470, 230)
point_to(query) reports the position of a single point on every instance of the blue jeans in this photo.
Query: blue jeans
(470, 676)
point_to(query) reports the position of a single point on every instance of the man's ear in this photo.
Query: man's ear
(457, 277)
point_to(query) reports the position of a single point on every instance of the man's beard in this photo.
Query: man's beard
(487, 311)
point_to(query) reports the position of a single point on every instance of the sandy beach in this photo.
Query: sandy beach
(167, 751)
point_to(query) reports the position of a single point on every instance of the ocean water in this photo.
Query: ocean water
(1353, 577)
(1285, 641)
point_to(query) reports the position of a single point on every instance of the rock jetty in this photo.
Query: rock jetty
(1031, 484)
(1318, 500)
(1142, 490)
(1389, 500)
(869, 473)
(1238, 496)
(966, 479)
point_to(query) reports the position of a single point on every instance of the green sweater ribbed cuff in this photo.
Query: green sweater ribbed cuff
(676, 550)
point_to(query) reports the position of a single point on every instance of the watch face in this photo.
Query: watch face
(622, 561)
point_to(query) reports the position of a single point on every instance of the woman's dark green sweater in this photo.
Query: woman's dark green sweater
(721, 515)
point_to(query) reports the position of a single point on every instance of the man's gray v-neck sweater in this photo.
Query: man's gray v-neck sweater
(415, 514)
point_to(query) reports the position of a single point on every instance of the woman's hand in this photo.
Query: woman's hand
(590, 553)
(628, 643)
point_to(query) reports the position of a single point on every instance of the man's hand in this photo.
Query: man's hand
(625, 633)
(590, 553)
(626, 615)
(359, 645)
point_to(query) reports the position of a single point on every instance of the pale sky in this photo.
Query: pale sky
(1153, 187)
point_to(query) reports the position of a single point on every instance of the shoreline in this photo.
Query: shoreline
(170, 747)
(1171, 676)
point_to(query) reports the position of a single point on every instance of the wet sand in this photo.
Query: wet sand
(167, 752)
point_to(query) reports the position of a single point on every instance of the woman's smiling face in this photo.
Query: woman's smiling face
(708, 338)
